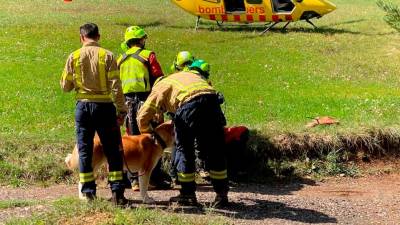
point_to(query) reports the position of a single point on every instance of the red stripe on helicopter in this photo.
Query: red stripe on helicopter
(275, 18)
(212, 17)
(288, 17)
(262, 18)
(236, 18)
(249, 17)
(224, 17)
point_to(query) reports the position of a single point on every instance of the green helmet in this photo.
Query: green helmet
(182, 59)
(201, 66)
(132, 32)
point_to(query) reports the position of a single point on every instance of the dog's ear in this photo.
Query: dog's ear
(166, 127)
(166, 131)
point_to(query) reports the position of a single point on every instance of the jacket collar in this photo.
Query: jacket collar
(91, 43)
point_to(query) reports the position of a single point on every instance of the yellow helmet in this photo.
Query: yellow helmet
(182, 60)
(132, 32)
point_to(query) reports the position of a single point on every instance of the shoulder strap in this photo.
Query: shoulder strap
(136, 56)
(139, 58)
(124, 57)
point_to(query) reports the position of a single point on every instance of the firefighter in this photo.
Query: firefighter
(198, 116)
(92, 72)
(139, 69)
(181, 62)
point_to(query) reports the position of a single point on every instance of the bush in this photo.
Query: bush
(392, 16)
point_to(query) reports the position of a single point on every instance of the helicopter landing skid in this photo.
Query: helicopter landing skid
(308, 21)
(197, 23)
(284, 27)
(219, 23)
(269, 28)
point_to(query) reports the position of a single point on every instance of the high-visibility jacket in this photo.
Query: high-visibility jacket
(170, 93)
(92, 71)
(134, 70)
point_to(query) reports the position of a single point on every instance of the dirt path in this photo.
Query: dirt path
(369, 200)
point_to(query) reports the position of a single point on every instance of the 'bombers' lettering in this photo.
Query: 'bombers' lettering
(257, 10)
(211, 10)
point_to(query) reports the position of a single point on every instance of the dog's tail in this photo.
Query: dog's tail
(68, 160)
(71, 160)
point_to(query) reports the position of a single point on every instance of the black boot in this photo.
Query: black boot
(89, 197)
(221, 201)
(118, 198)
(185, 199)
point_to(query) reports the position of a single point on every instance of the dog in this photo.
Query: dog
(141, 154)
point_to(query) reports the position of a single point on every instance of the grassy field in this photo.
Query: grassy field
(72, 211)
(348, 68)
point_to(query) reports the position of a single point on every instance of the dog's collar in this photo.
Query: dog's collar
(158, 138)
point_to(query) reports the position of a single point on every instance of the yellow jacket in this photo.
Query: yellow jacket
(170, 93)
(92, 71)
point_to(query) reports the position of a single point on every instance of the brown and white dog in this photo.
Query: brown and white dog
(141, 154)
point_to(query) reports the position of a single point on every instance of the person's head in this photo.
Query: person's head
(89, 32)
(134, 36)
(201, 67)
(182, 61)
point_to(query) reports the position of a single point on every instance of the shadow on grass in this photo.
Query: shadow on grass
(253, 209)
(346, 22)
(144, 25)
(263, 209)
(258, 28)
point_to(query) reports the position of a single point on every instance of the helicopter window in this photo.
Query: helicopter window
(254, 1)
(234, 5)
(282, 5)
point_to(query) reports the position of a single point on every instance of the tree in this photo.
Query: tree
(392, 16)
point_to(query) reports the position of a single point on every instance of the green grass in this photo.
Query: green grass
(5, 204)
(73, 211)
(348, 69)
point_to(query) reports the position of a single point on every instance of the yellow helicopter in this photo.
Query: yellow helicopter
(250, 11)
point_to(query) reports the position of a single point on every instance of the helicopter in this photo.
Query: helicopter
(251, 11)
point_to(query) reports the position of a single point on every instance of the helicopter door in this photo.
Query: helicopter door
(282, 6)
(234, 5)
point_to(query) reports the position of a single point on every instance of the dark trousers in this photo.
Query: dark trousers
(91, 117)
(134, 101)
(200, 122)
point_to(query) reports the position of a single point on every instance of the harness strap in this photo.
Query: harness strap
(136, 56)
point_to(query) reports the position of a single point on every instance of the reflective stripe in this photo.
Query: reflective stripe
(151, 105)
(113, 74)
(77, 68)
(218, 175)
(174, 83)
(102, 69)
(192, 87)
(186, 177)
(115, 175)
(93, 96)
(133, 80)
(86, 177)
(67, 76)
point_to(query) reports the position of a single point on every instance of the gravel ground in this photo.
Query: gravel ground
(367, 200)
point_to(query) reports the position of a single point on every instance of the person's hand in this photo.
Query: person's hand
(121, 118)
